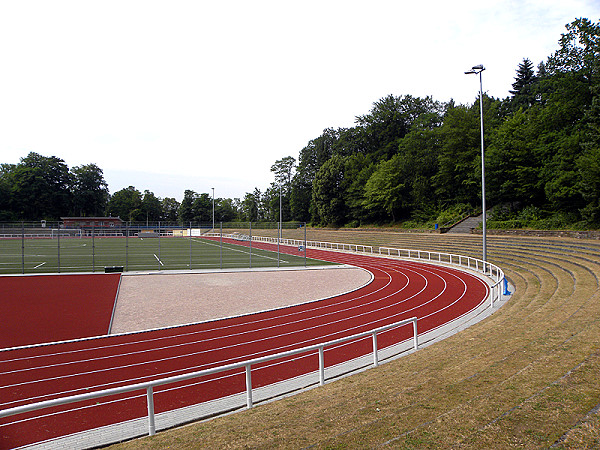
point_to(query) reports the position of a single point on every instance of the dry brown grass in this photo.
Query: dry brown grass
(528, 376)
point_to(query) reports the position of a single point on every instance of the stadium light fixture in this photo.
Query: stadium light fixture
(477, 71)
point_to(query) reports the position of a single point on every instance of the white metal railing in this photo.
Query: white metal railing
(484, 267)
(247, 365)
(490, 270)
(298, 242)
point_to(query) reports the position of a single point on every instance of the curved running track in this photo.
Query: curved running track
(399, 290)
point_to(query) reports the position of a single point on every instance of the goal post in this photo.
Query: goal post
(62, 233)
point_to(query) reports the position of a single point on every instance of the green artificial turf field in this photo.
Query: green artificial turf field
(31, 256)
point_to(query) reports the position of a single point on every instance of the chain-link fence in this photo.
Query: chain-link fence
(51, 247)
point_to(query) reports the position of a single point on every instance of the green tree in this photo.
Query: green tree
(387, 189)
(390, 119)
(357, 170)
(418, 153)
(579, 50)
(203, 208)
(251, 206)
(40, 188)
(312, 157)
(284, 171)
(515, 161)
(328, 194)
(90, 190)
(523, 92)
(126, 204)
(151, 207)
(270, 203)
(169, 207)
(588, 165)
(195, 207)
(459, 162)
(225, 210)
(6, 212)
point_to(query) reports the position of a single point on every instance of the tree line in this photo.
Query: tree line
(416, 160)
(409, 160)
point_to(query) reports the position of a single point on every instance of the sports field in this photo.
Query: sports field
(87, 254)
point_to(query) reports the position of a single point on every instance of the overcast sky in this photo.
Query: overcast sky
(176, 95)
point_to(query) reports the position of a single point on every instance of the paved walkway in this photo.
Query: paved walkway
(157, 300)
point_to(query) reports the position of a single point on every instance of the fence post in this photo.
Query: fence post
(58, 246)
(321, 366)
(375, 359)
(150, 401)
(23, 247)
(416, 334)
(126, 245)
(248, 387)
(304, 244)
(159, 255)
(93, 250)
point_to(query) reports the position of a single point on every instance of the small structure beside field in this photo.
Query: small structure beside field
(89, 222)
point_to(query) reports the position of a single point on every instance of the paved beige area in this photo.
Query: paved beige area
(147, 301)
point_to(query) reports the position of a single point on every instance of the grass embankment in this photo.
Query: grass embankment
(528, 376)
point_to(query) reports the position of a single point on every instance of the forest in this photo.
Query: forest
(408, 162)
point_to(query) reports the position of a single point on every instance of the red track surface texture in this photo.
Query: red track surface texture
(399, 290)
(37, 309)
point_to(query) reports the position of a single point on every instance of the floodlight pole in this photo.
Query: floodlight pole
(279, 227)
(477, 70)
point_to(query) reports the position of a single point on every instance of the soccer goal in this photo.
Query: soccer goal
(56, 233)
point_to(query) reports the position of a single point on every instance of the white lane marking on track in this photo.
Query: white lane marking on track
(350, 299)
(216, 338)
(195, 342)
(256, 321)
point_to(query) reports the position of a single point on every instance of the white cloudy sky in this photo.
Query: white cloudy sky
(174, 95)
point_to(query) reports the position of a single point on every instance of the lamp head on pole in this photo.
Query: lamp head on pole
(475, 69)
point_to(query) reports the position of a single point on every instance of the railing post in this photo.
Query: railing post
(321, 366)
(416, 335)
(150, 401)
(248, 387)
(375, 359)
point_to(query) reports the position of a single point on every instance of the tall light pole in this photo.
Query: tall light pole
(213, 227)
(279, 227)
(477, 70)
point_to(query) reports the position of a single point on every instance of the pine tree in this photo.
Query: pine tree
(525, 76)
(523, 95)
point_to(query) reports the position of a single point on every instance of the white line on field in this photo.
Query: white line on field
(40, 265)
(161, 263)
(244, 251)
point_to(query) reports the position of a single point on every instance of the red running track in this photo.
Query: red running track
(38, 309)
(399, 290)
